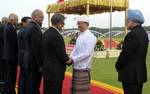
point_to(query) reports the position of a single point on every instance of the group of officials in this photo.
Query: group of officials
(23, 48)
(44, 54)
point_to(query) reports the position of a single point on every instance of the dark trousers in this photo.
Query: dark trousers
(33, 81)
(10, 81)
(132, 88)
(2, 75)
(53, 87)
(22, 80)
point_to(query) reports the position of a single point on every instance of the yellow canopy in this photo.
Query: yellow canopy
(80, 6)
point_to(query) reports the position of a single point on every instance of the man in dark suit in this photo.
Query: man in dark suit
(21, 45)
(10, 54)
(131, 64)
(2, 63)
(32, 56)
(54, 56)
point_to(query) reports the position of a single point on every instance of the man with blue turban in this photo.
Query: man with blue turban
(131, 64)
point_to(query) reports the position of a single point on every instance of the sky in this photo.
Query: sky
(25, 7)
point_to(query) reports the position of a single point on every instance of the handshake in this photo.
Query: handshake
(69, 62)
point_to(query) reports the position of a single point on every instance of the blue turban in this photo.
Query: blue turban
(136, 16)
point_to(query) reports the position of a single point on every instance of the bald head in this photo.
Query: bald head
(37, 16)
(4, 20)
(13, 18)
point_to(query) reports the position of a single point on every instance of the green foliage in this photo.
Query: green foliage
(119, 46)
(73, 40)
(18, 26)
(99, 46)
(147, 28)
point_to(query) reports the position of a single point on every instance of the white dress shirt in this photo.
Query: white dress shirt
(83, 52)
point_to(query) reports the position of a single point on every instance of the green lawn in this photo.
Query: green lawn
(103, 70)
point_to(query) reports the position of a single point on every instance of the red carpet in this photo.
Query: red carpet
(66, 87)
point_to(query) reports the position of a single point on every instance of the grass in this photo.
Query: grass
(103, 70)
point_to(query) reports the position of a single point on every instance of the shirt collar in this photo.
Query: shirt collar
(137, 26)
(85, 31)
(36, 23)
(56, 29)
(12, 25)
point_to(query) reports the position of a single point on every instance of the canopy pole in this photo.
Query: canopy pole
(126, 14)
(126, 30)
(110, 27)
(49, 20)
(87, 8)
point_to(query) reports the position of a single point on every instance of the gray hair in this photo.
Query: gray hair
(56, 18)
(4, 19)
(36, 12)
(12, 16)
